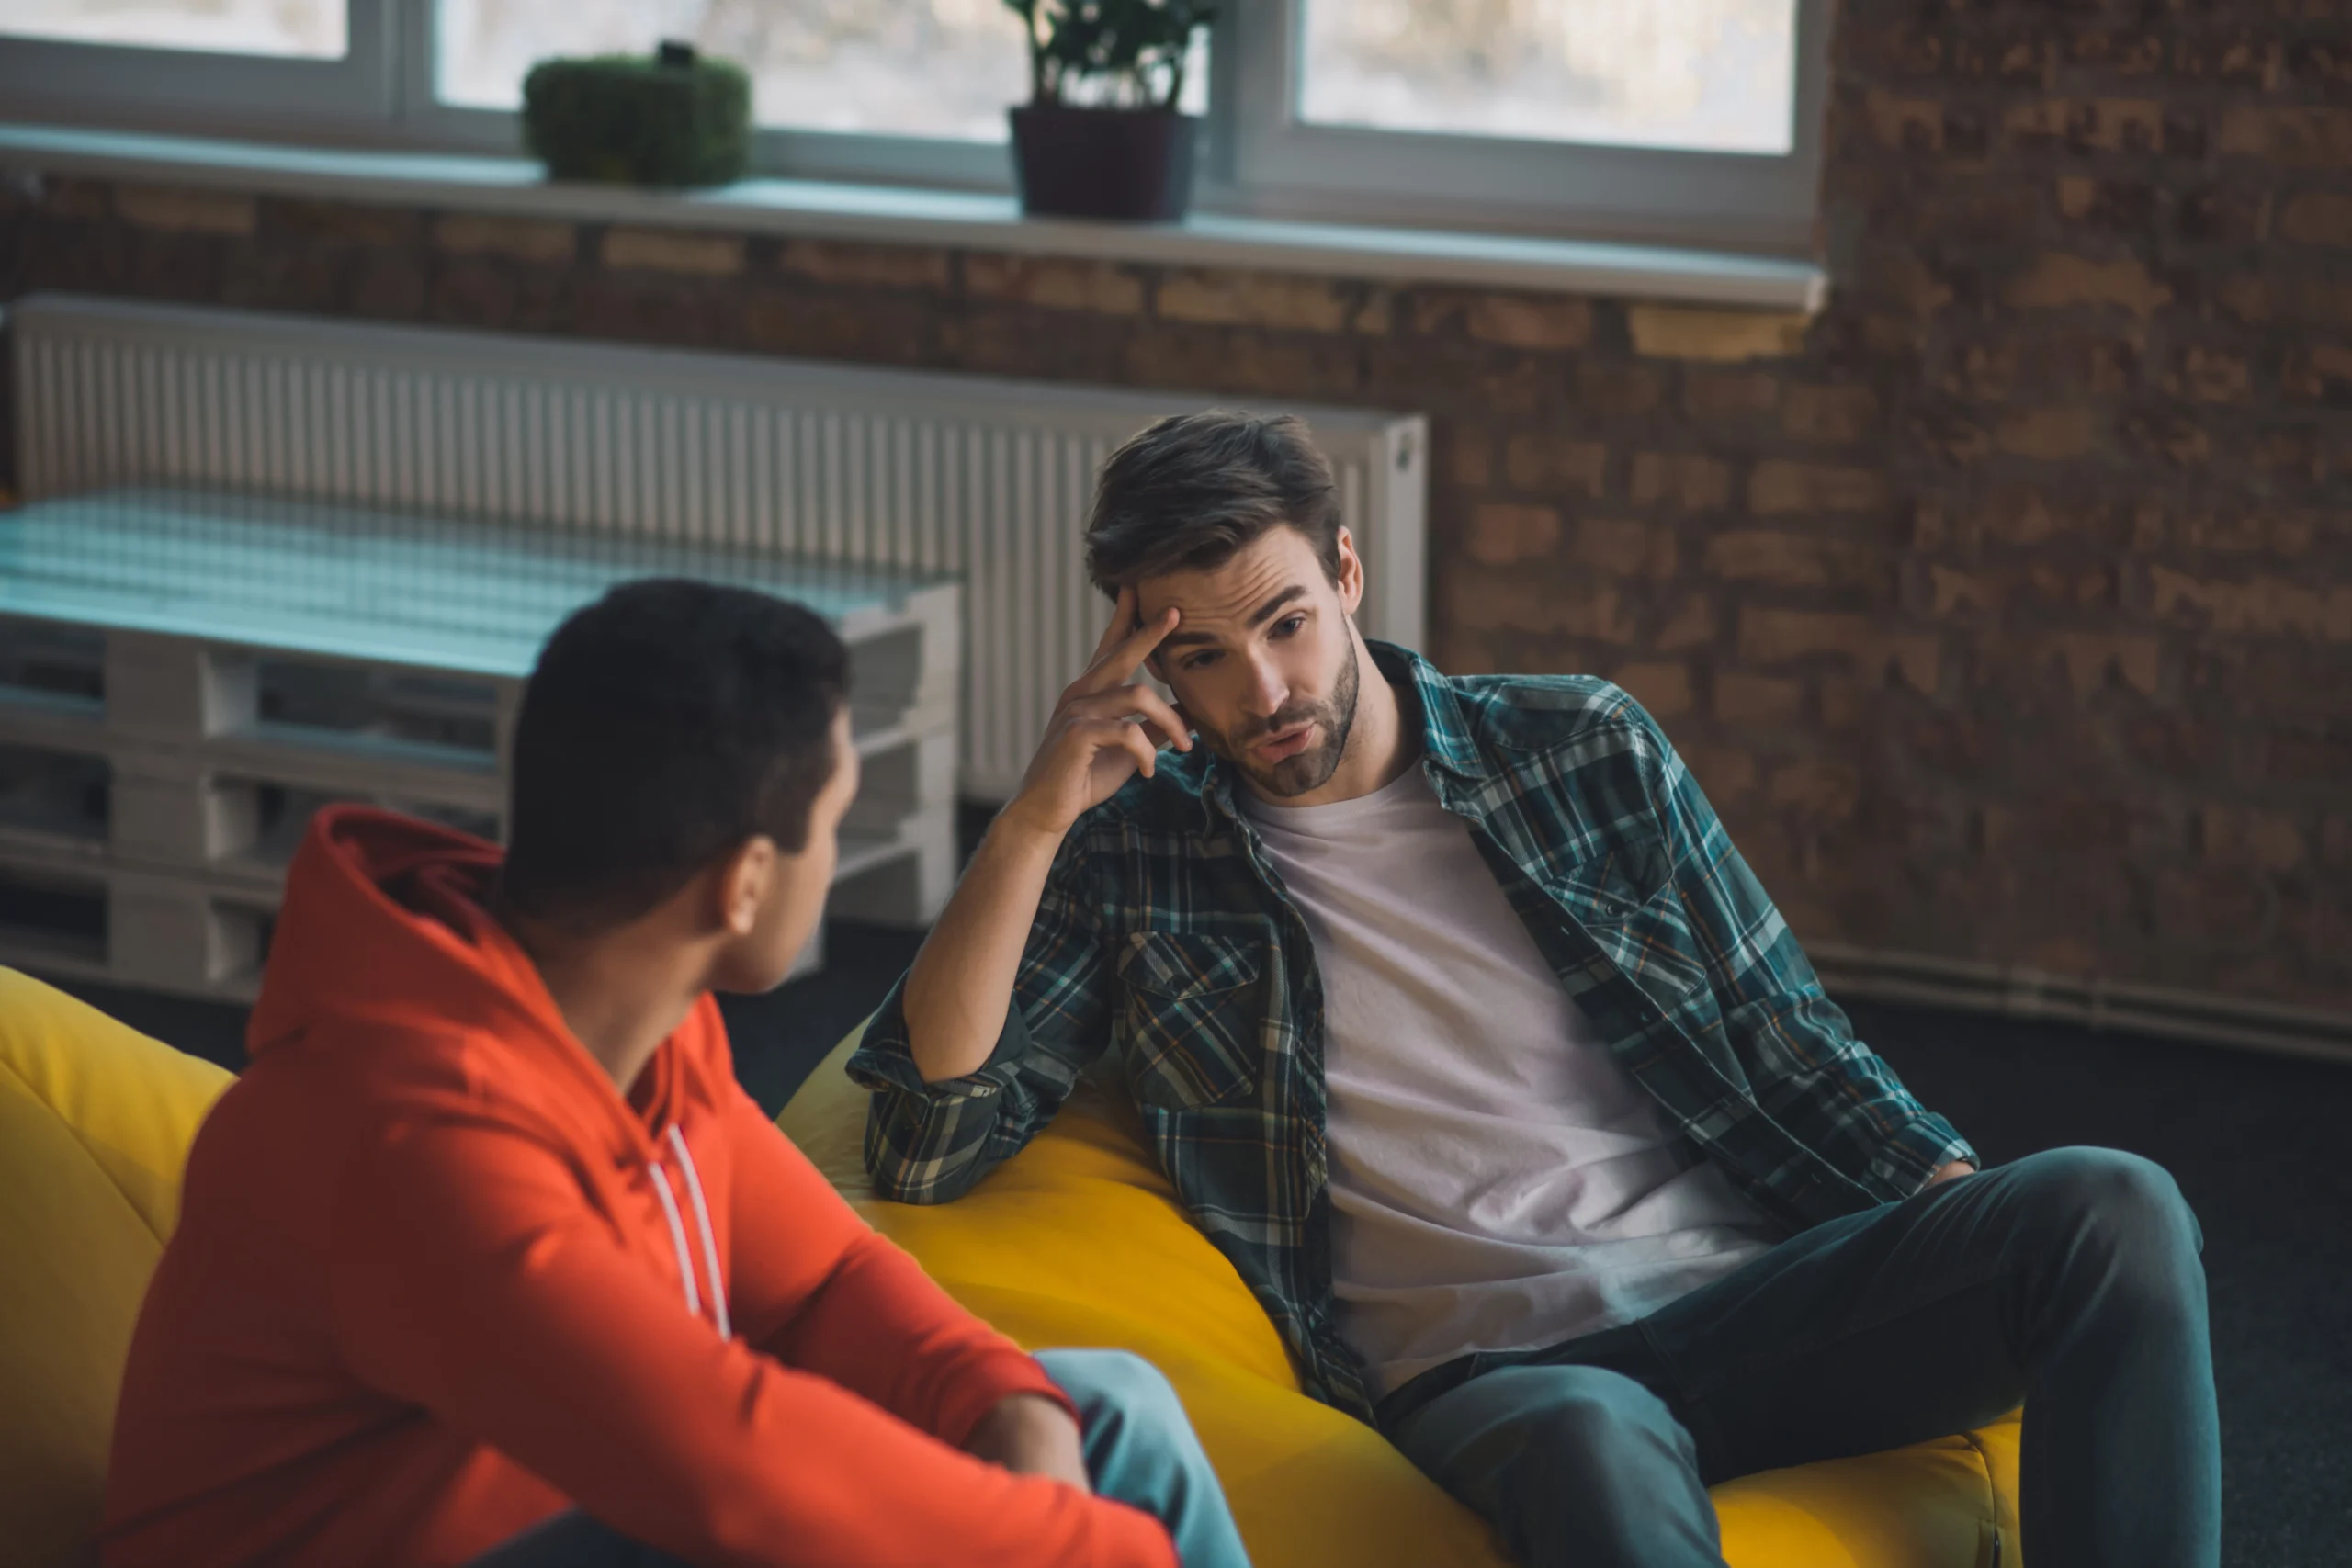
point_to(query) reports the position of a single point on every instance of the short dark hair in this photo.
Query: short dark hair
(1187, 492)
(663, 725)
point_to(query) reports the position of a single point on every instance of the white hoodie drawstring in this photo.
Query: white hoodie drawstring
(677, 1235)
(702, 1221)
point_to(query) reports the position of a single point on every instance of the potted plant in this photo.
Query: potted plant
(1101, 136)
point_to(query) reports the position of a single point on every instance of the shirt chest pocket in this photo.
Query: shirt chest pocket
(1635, 912)
(1191, 1018)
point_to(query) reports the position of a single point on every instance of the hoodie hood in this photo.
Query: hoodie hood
(385, 935)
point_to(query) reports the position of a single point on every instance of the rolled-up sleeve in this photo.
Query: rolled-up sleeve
(1808, 1071)
(928, 1143)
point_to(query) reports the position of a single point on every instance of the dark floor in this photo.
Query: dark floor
(2257, 1143)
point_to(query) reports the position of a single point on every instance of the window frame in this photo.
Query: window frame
(1256, 159)
(353, 99)
(1279, 165)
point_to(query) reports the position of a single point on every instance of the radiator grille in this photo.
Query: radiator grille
(983, 478)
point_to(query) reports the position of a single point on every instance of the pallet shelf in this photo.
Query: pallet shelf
(186, 676)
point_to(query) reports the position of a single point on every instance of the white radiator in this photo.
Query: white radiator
(984, 478)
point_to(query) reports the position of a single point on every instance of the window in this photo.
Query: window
(301, 29)
(1703, 75)
(1687, 121)
(942, 69)
(1690, 121)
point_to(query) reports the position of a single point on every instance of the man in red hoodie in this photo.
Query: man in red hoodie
(486, 1259)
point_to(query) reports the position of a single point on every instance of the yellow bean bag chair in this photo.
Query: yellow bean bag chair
(95, 1124)
(1078, 1241)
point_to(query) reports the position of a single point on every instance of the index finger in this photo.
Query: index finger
(1123, 620)
(1120, 664)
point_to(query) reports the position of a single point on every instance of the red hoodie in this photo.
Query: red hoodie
(436, 1278)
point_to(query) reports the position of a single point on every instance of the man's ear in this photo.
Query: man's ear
(1350, 583)
(743, 880)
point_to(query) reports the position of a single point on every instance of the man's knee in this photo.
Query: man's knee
(1111, 1380)
(1583, 1421)
(2127, 1209)
(1603, 1421)
(1126, 1401)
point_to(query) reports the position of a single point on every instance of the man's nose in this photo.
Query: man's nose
(1267, 689)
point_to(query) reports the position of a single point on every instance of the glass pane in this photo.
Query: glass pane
(1705, 76)
(311, 30)
(934, 68)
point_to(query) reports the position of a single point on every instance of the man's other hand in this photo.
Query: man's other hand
(1952, 1172)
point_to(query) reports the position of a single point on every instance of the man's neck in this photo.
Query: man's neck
(621, 993)
(1380, 747)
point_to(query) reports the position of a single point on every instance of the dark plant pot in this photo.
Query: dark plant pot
(1135, 165)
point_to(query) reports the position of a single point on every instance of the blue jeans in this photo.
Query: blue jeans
(2068, 1281)
(1139, 1448)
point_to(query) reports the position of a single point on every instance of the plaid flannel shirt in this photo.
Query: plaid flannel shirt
(1165, 936)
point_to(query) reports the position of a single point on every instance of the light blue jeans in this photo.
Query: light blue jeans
(1139, 1449)
(2068, 1280)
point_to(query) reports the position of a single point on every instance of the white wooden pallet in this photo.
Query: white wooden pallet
(185, 676)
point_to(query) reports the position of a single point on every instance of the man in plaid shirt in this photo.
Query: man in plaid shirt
(1467, 1035)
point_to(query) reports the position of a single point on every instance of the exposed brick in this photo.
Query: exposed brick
(674, 250)
(78, 199)
(1467, 453)
(1616, 388)
(2307, 757)
(1529, 322)
(1663, 688)
(2211, 374)
(2125, 51)
(522, 239)
(1743, 698)
(1674, 332)
(1547, 464)
(1690, 621)
(1836, 414)
(2291, 138)
(1725, 395)
(2048, 433)
(1820, 790)
(2317, 218)
(1726, 773)
(1513, 599)
(2092, 659)
(2267, 841)
(872, 266)
(2060, 279)
(1057, 283)
(1623, 547)
(1284, 302)
(1680, 479)
(1904, 124)
(1770, 635)
(2321, 372)
(1780, 486)
(2112, 125)
(2124, 207)
(1785, 560)
(182, 210)
(2261, 607)
(345, 222)
(1501, 532)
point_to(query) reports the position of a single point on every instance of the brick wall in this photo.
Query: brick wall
(2005, 609)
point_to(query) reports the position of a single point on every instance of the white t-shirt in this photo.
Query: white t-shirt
(1498, 1182)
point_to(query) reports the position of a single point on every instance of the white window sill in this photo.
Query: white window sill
(821, 210)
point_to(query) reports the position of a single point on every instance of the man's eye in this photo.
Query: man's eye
(1200, 661)
(1289, 625)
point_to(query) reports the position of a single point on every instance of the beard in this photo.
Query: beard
(1312, 768)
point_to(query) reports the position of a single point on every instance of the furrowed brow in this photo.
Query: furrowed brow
(1258, 617)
